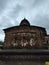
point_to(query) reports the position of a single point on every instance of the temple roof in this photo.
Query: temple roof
(25, 22)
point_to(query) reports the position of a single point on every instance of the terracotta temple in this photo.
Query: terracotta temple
(25, 36)
(25, 44)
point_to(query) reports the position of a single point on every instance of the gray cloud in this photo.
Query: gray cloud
(42, 21)
(2, 6)
(13, 11)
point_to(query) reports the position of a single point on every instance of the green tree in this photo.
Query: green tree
(1, 44)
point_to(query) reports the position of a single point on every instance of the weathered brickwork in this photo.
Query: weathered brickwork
(25, 36)
(20, 39)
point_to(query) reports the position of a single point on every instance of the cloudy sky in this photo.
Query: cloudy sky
(13, 11)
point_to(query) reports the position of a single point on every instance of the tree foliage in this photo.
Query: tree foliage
(1, 44)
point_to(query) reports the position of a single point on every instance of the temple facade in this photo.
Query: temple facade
(25, 44)
(25, 36)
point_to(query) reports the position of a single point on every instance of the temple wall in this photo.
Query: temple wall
(36, 35)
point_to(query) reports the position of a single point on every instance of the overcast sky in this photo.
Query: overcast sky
(13, 11)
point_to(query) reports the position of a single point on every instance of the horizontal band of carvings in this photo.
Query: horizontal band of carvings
(25, 57)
